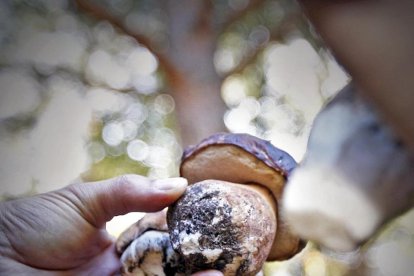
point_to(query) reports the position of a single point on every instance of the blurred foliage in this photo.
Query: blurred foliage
(113, 166)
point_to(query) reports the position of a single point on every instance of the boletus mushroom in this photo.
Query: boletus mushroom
(229, 218)
(356, 176)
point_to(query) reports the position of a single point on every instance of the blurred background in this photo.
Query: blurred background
(95, 89)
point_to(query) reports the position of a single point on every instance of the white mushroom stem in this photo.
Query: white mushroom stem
(145, 248)
(149, 254)
(355, 176)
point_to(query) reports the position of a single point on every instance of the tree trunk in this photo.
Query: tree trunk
(199, 106)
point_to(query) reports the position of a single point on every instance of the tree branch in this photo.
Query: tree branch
(204, 18)
(172, 73)
(287, 24)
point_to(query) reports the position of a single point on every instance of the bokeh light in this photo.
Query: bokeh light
(113, 133)
(164, 104)
(233, 90)
(142, 62)
(293, 69)
(102, 68)
(138, 150)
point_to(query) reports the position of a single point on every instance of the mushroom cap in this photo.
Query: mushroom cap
(242, 158)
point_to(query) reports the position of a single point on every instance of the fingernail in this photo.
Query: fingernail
(175, 183)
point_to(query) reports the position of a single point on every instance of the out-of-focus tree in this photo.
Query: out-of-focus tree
(224, 60)
(154, 76)
(198, 45)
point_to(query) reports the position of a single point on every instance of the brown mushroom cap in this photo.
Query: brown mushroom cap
(242, 158)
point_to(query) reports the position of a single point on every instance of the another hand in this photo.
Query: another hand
(63, 232)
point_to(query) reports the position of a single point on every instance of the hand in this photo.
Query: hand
(63, 232)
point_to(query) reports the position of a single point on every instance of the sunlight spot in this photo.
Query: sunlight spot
(239, 121)
(103, 68)
(164, 104)
(336, 77)
(162, 137)
(137, 112)
(137, 150)
(145, 84)
(142, 62)
(281, 117)
(293, 70)
(130, 129)
(113, 133)
(96, 151)
(224, 60)
(233, 90)
(295, 145)
(251, 106)
(106, 100)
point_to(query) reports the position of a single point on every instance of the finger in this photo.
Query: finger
(208, 273)
(99, 201)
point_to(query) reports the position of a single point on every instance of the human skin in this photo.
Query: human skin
(63, 232)
(374, 41)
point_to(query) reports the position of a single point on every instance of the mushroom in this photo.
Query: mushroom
(145, 248)
(356, 176)
(229, 218)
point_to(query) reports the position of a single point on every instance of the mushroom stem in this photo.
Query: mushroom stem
(223, 225)
(145, 248)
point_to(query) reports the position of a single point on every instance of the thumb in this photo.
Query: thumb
(99, 201)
